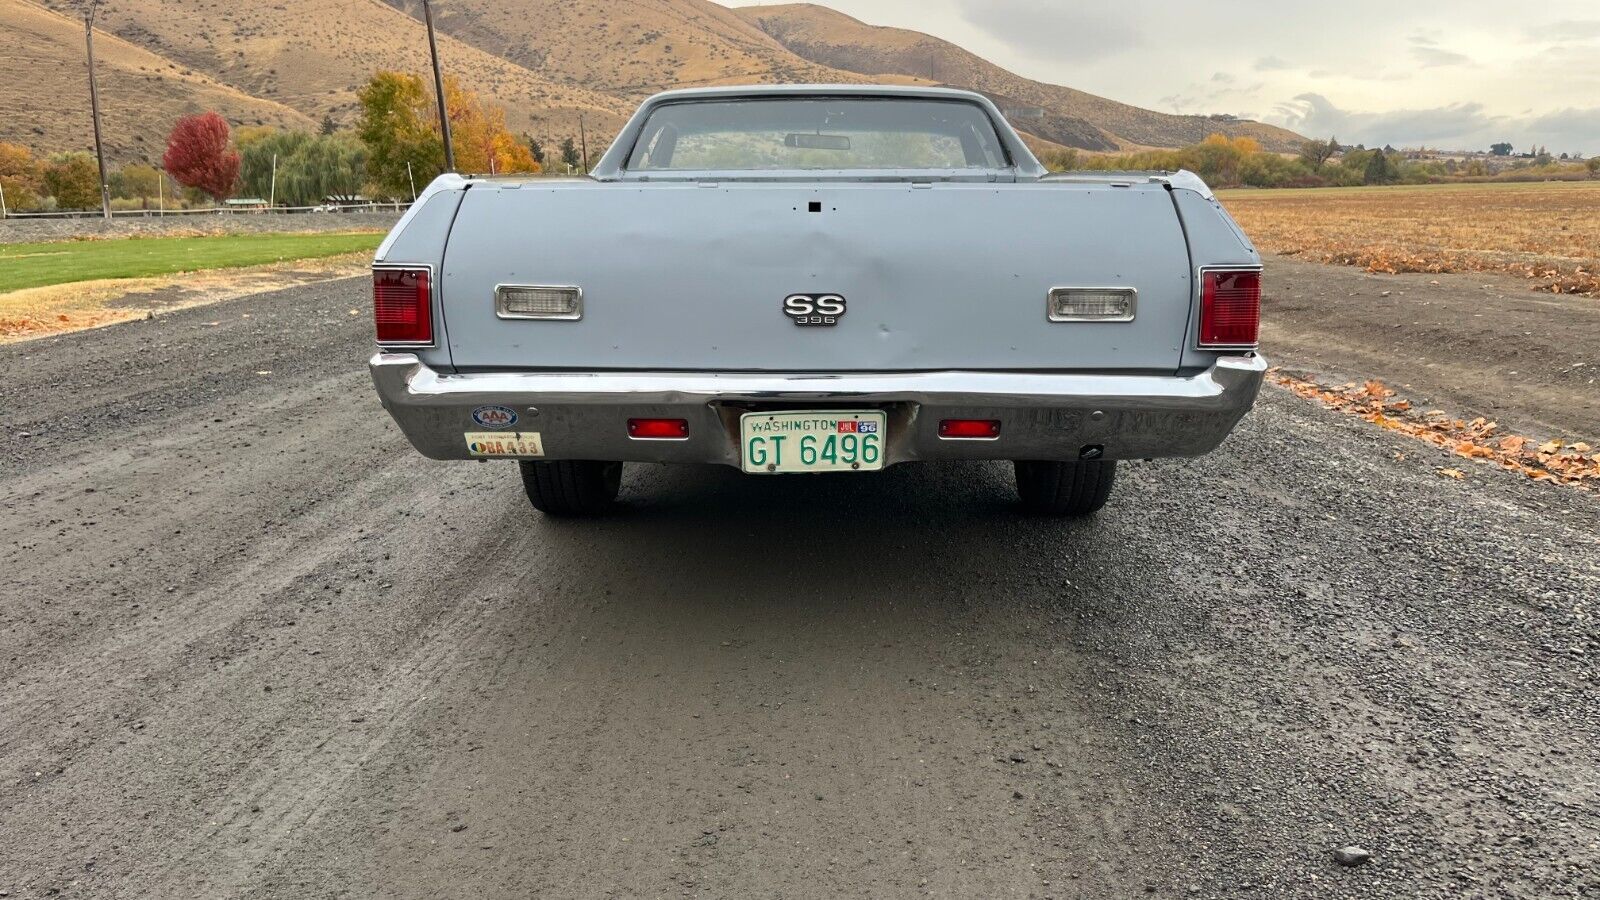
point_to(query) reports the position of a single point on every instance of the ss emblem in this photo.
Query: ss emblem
(814, 309)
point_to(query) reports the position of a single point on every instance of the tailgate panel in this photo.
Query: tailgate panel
(683, 276)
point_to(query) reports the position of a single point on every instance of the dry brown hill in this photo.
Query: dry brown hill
(44, 89)
(312, 55)
(1071, 117)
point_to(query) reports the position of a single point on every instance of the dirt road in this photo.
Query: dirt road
(251, 645)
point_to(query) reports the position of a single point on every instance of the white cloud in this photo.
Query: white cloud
(1463, 126)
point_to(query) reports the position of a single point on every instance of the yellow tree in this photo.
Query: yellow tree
(481, 140)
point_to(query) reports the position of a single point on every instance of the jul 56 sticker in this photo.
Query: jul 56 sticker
(504, 445)
(495, 416)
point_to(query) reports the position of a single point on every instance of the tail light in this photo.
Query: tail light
(1230, 308)
(402, 306)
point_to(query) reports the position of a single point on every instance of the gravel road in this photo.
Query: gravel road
(253, 646)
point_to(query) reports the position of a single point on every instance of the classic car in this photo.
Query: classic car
(817, 279)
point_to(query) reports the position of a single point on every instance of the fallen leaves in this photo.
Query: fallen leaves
(1479, 439)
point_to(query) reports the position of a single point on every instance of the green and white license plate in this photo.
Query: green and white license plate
(777, 443)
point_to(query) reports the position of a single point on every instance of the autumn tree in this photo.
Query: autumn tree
(199, 156)
(74, 180)
(403, 144)
(21, 177)
(479, 135)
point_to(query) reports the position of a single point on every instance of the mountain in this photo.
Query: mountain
(548, 62)
(1070, 117)
(44, 89)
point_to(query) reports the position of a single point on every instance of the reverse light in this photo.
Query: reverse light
(1230, 309)
(1093, 304)
(515, 301)
(658, 429)
(970, 429)
(402, 306)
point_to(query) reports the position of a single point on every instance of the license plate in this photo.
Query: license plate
(831, 441)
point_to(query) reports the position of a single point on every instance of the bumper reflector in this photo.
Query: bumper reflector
(513, 301)
(970, 429)
(658, 429)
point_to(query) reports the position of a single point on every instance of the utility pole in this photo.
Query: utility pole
(272, 196)
(438, 89)
(413, 179)
(2, 200)
(583, 139)
(94, 105)
(161, 192)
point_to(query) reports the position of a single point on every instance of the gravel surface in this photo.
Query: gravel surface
(1478, 344)
(252, 645)
(27, 231)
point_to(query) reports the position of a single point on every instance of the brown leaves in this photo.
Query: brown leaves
(1477, 439)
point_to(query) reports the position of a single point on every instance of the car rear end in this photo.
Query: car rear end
(786, 320)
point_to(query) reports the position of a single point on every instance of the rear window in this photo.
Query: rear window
(817, 133)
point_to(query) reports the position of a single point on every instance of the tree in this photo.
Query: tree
(1317, 153)
(478, 132)
(198, 155)
(1380, 168)
(535, 148)
(1593, 165)
(74, 180)
(569, 153)
(329, 126)
(136, 181)
(310, 168)
(257, 148)
(21, 176)
(1501, 149)
(402, 143)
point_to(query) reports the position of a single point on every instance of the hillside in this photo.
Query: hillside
(44, 89)
(312, 55)
(290, 62)
(1072, 117)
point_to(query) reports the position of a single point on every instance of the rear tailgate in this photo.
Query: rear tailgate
(944, 276)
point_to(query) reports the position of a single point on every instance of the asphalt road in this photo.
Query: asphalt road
(251, 645)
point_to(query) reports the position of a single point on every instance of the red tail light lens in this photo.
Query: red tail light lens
(969, 428)
(402, 306)
(1230, 309)
(658, 429)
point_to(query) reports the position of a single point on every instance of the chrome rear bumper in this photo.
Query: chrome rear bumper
(1044, 416)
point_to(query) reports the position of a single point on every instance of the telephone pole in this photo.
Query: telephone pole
(94, 106)
(583, 141)
(438, 89)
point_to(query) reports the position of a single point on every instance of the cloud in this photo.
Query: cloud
(1048, 30)
(1432, 57)
(1565, 30)
(1222, 78)
(1458, 126)
(1271, 64)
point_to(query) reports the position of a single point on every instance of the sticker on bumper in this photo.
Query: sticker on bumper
(503, 445)
(495, 416)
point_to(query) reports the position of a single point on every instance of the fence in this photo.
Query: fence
(399, 206)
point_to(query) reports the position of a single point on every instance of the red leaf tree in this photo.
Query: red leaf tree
(198, 155)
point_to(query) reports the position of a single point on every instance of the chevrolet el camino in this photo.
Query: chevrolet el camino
(817, 279)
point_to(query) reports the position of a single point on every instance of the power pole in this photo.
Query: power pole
(438, 89)
(413, 179)
(94, 106)
(272, 197)
(583, 140)
(2, 200)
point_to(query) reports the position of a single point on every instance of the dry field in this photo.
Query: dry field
(1547, 233)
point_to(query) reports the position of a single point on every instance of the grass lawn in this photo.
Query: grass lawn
(38, 265)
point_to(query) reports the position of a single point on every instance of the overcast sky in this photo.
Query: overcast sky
(1458, 75)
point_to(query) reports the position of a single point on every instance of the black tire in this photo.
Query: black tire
(570, 487)
(1065, 488)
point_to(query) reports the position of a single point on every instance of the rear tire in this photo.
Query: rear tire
(1065, 488)
(571, 488)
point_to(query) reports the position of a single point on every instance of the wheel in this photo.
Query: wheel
(1065, 488)
(571, 487)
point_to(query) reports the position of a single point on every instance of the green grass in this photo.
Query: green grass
(37, 265)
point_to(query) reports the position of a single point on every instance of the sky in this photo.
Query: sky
(1460, 75)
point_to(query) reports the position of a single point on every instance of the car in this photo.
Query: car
(810, 279)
